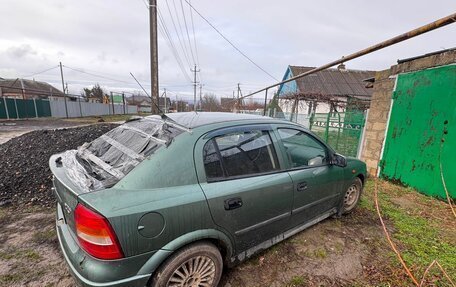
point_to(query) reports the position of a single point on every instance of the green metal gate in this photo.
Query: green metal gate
(21, 109)
(342, 131)
(422, 132)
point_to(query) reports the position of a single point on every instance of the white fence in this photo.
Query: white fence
(84, 109)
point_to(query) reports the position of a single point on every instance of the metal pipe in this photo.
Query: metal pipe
(413, 33)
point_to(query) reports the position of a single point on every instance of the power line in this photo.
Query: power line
(194, 42)
(180, 26)
(231, 43)
(194, 36)
(95, 75)
(186, 30)
(165, 33)
(178, 35)
(41, 72)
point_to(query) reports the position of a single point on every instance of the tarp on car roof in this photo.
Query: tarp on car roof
(104, 161)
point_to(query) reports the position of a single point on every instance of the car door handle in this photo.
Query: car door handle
(301, 186)
(233, 203)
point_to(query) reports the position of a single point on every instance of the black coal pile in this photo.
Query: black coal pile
(25, 177)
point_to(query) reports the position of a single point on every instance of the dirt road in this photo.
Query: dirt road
(350, 251)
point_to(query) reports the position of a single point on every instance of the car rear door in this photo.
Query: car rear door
(249, 194)
(316, 183)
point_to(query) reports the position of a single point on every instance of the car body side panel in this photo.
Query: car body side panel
(164, 184)
(321, 194)
(94, 272)
(179, 210)
(266, 199)
(161, 255)
(265, 210)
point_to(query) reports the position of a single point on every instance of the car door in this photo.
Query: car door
(317, 185)
(249, 194)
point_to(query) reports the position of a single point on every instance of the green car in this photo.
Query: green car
(170, 200)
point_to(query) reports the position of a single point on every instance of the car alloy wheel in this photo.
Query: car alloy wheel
(352, 195)
(197, 265)
(195, 272)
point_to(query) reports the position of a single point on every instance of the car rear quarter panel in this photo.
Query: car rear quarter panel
(166, 184)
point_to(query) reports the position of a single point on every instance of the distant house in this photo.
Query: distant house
(28, 89)
(144, 103)
(228, 104)
(327, 91)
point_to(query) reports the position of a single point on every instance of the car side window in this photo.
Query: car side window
(302, 149)
(238, 154)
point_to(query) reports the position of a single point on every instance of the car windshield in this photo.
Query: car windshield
(104, 161)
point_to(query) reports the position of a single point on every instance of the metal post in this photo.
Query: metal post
(15, 105)
(165, 102)
(80, 108)
(201, 97)
(265, 102)
(23, 98)
(112, 103)
(6, 105)
(327, 128)
(63, 89)
(153, 55)
(36, 110)
(363, 132)
(123, 100)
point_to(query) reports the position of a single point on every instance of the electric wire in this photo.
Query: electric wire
(41, 72)
(95, 75)
(194, 42)
(229, 42)
(177, 33)
(194, 36)
(165, 33)
(180, 24)
(186, 30)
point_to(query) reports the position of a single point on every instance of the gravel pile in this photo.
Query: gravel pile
(25, 177)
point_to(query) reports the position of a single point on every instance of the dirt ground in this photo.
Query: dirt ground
(10, 129)
(350, 251)
(14, 128)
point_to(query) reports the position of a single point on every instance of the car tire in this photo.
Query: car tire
(352, 195)
(197, 263)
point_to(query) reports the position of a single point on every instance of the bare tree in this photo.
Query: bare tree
(211, 103)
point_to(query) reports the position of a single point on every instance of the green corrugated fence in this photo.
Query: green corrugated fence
(21, 109)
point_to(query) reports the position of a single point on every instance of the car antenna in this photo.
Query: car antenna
(161, 113)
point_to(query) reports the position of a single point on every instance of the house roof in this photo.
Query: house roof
(14, 86)
(333, 82)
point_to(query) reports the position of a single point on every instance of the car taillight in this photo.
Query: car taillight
(95, 234)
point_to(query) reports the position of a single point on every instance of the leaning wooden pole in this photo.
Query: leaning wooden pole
(413, 33)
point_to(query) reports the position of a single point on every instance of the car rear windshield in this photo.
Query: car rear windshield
(104, 161)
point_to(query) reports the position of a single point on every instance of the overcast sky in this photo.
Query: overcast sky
(111, 39)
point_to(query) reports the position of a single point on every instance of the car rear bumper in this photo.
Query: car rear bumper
(92, 272)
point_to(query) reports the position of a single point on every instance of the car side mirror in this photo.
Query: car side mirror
(339, 160)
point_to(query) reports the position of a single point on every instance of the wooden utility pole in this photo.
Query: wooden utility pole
(194, 87)
(63, 89)
(153, 55)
